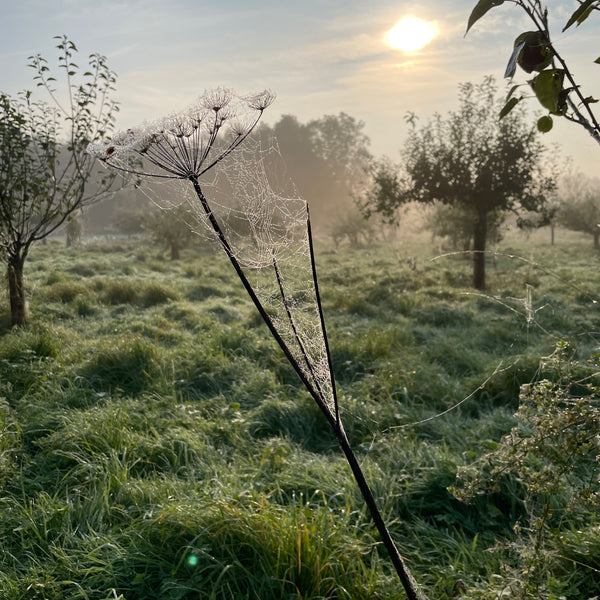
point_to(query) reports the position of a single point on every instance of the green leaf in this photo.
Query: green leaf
(511, 67)
(548, 86)
(597, 60)
(590, 100)
(581, 13)
(512, 90)
(536, 52)
(509, 106)
(545, 124)
(482, 7)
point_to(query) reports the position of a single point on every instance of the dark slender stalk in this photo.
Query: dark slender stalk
(313, 267)
(411, 587)
(286, 304)
(413, 592)
(263, 313)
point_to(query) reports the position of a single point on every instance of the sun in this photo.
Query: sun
(410, 34)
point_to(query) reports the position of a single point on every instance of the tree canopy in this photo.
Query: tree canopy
(579, 208)
(469, 159)
(326, 159)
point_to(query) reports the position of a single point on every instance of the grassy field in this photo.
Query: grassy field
(154, 442)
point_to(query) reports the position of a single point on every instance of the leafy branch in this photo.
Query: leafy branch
(554, 84)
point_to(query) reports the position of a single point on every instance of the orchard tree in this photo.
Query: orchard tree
(454, 223)
(580, 206)
(45, 172)
(553, 82)
(128, 221)
(74, 230)
(469, 159)
(171, 226)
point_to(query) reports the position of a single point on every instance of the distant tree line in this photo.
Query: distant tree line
(472, 167)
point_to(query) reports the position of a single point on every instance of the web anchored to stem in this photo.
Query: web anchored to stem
(266, 236)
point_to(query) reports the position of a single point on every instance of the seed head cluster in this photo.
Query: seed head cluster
(187, 144)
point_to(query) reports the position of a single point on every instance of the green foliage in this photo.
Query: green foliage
(481, 8)
(548, 87)
(121, 291)
(167, 450)
(554, 86)
(579, 209)
(10, 442)
(129, 366)
(129, 221)
(155, 293)
(353, 228)
(65, 291)
(34, 343)
(326, 158)
(471, 161)
(455, 224)
(172, 226)
(43, 179)
(553, 453)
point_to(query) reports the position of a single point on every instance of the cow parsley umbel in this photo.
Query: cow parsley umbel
(270, 247)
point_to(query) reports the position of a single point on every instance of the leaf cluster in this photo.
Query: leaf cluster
(553, 84)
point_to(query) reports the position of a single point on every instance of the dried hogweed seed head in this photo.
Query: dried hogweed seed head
(239, 126)
(189, 143)
(260, 101)
(216, 99)
(181, 126)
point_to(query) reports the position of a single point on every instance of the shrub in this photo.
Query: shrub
(10, 435)
(29, 344)
(64, 291)
(553, 452)
(122, 291)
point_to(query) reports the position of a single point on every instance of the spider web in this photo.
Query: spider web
(268, 234)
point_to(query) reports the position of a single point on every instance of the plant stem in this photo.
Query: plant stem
(411, 587)
(263, 313)
(413, 592)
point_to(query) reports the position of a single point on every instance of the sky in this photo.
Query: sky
(319, 56)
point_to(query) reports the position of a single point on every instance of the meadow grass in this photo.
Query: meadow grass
(154, 442)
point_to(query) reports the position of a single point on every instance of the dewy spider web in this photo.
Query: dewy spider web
(266, 236)
(269, 235)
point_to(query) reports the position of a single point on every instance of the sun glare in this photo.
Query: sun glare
(410, 34)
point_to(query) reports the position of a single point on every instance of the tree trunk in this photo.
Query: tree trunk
(16, 289)
(174, 251)
(597, 238)
(479, 240)
(552, 231)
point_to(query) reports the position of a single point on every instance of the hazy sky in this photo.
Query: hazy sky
(319, 56)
